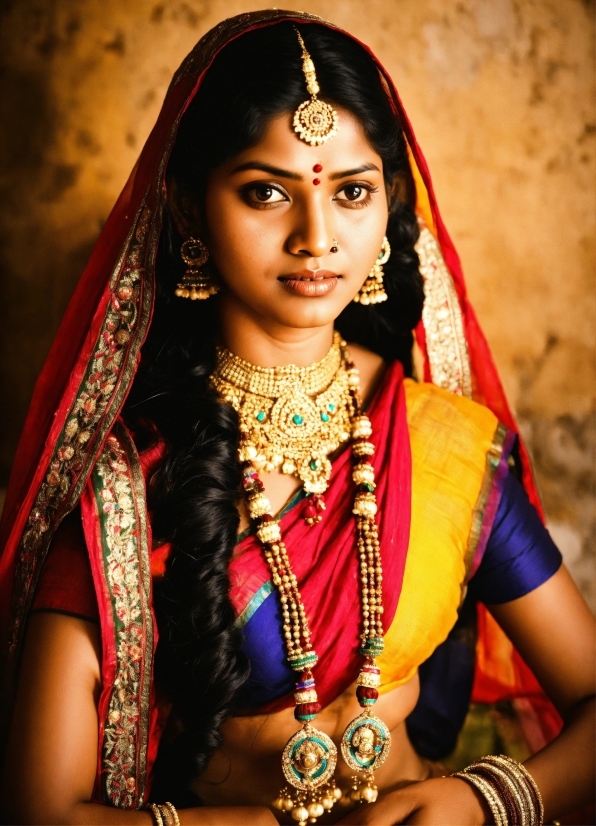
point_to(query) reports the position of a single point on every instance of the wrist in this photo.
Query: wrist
(476, 802)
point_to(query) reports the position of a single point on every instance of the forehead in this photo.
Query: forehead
(280, 146)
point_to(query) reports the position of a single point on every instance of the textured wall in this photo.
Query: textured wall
(501, 94)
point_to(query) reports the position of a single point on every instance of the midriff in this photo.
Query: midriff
(246, 770)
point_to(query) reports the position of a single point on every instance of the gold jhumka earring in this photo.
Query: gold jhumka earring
(314, 120)
(373, 291)
(195, 284)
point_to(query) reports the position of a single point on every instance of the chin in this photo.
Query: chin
(316, 314)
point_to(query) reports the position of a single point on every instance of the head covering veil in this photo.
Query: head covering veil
(91, 365)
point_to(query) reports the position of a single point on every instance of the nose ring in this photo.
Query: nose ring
(334, 247)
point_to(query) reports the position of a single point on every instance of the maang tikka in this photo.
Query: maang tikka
(195, 284)
(373, 290)
(315, 121)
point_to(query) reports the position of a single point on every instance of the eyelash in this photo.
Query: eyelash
(253, 202)
(358, 204)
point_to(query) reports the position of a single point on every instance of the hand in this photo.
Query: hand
(443, 801)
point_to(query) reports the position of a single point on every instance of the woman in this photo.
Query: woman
(282, 180)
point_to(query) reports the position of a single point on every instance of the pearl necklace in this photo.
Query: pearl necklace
(310, 756)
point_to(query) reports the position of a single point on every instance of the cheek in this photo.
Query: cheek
(243, 246)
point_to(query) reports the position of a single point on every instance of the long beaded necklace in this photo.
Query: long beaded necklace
(310, 756)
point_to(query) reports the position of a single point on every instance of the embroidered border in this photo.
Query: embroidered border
(91, 416)
(494, 456)
(120, 496)
(446, 345)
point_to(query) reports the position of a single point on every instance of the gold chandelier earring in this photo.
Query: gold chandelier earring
(195, 284)
(373, 290)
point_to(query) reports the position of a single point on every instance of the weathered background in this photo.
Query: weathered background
(501, 94)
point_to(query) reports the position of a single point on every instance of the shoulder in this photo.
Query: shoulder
(432, 409)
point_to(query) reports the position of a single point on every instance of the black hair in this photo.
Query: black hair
(193, 496)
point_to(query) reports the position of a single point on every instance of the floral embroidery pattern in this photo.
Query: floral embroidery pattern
(83, 427)
(446, 345)
(125, 571)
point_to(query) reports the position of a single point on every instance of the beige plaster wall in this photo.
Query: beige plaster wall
(501, 94)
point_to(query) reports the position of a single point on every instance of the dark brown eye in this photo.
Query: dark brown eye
(353, 192)
(263, 193)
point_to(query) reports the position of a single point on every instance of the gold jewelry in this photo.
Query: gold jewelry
(509, 789)
(291, 418)
(156, 812)
(171, 809)
(373, 291)
(334, 246)
(315, 121)
(195, 284)
(310, 756)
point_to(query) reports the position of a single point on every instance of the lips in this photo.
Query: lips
(310, 283)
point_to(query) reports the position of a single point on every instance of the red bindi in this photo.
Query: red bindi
(317, 168)
(316, 181)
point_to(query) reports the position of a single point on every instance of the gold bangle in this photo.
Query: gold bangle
(507, 783)
(525, 781)
(156, 812)
(172, 810)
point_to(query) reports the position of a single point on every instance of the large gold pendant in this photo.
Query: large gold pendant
(365, 746)
(308, 762)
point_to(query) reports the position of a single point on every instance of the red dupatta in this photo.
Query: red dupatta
(93, 360)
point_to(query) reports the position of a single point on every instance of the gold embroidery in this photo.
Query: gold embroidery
(92, 414)
(447, 349)
(120, 498)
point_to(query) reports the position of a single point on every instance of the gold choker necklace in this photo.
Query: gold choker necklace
(291, 418)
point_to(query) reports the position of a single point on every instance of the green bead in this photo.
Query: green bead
(331, 408)
(325, 417)
(261, 416)
(297, 419)
(368, 487)
(314, 464)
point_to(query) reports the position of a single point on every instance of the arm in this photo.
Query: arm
(555, 632)
(52, 749)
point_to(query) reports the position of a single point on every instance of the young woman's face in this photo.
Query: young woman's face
(274, 212)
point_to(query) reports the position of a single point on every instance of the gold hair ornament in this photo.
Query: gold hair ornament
(315, 121)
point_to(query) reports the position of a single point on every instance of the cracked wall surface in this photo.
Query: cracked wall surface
(501, 95)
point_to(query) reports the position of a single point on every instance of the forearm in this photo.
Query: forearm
(89, 814)
(564, 770)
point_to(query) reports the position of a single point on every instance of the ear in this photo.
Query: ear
(184, 209)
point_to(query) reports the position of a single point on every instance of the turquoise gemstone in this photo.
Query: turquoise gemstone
(297, 419)
(331, 408)
(325, 417)
(261, 416)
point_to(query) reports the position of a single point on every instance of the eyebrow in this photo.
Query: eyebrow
(366, 167)
(265, 167)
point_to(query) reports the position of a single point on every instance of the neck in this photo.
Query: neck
(265, 343)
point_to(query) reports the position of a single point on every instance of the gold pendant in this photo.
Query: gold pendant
(365, 746)
(308, 762)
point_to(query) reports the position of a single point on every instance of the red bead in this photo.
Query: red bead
(316, 181)
(317, 168)
(307, 708)
(310, 512)
(266, 517)
(363, 692)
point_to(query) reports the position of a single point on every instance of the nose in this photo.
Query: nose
(311, 236)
